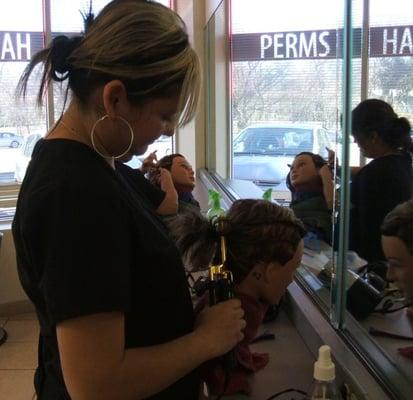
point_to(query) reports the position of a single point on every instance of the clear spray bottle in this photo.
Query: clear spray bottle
(324, 386)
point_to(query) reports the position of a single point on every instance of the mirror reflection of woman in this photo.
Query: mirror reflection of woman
(385, 181)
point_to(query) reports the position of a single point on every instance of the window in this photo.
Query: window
(23, 123)
(285, 66)
(20, 36)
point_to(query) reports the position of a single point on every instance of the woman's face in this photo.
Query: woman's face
(303, 171)
(154, 118)
(142, 123)
(400, 264)
(366, 145)
(278, 277)
(182, 172)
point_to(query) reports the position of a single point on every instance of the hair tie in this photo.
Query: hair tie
(60, 51)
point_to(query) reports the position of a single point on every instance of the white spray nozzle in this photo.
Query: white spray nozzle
(324, 369)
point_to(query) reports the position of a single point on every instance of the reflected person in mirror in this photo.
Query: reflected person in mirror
(385, 181)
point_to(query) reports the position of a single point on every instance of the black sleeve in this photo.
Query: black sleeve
(86, 263)
(135, 178)
(380, 190)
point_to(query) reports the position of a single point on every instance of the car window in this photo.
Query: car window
(274, 141)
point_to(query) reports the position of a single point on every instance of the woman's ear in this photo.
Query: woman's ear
(268, 271)
(115, 100)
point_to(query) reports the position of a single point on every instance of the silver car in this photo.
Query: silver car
(25, 155)
(8, 139)
(262, 153)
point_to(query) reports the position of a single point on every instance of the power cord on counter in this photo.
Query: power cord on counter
(386, 308)
(274, 396)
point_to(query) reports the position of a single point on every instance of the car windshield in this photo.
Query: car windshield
(274, 141)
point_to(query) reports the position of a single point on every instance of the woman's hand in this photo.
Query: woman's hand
(169, 205)
(328, 185)
(332, 158)
(220, 327)
(165, 180)
(325, 172)
(149, 162)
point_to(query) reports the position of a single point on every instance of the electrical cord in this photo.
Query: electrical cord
(291, 390)
(386, 308)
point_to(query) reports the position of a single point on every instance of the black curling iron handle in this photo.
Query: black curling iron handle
(222, 290)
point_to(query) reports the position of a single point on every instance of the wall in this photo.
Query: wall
(190, 140)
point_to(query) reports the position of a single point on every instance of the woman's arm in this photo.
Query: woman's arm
(96, 364)
(332, 159)
(328, 185)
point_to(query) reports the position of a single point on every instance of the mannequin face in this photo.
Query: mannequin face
(269, 282)
(182, 172)
(400, 264)
(303, 171)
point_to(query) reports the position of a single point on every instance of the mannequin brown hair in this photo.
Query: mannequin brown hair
(256, 231)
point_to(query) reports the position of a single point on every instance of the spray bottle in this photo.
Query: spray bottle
(324, 386)
(214, 203)
(267, 195)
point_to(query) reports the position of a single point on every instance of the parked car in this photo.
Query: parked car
(25, 155)
(8, 139)
(262, 153)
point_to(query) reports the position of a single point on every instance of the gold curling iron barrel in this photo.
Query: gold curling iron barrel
(221, 288)
(221, 283)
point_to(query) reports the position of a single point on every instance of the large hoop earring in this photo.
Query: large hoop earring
(92, 137)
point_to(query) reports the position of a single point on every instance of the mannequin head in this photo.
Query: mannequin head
(397, 242)
(304, 175)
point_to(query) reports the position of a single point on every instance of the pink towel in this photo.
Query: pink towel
(406, 351)
(248, 362)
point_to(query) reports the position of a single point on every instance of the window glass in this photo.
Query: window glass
(285, 70)
(391, 54)
(286, 94)
(20, 37)
(21, 122)
(374, 192)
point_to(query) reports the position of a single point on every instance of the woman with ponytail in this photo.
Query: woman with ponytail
(384, 182)
(108, 284)
(264, 247)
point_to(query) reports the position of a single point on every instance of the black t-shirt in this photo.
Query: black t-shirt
(87, 243)
(379, 187)
(138, 182)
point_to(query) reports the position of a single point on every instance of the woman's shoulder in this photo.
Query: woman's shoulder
(389, 164)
